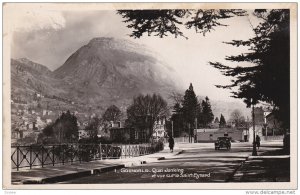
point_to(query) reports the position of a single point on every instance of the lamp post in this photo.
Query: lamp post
(254, 152)
(172, 129)
(190, 135)
(195, 131)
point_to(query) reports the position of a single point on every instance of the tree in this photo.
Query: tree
(113, 113)
(207, 114)
(267, 79)
(92, 127)
(168, 21)
(65, 128)
(176, 97)
(177, 119)
(144, 111)
(190, 107)
(48, 130)
(222, 122)
(216, 120)
(237, 117)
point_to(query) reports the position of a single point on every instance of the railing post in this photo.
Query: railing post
(130, 151)
(30, 157)
(125, 150)
(18, 152)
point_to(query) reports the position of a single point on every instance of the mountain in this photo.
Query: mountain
(112, 71)
(28, 77)
(106, 71)
(103, 72)
(226, 108)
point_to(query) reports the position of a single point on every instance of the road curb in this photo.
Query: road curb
(267, 157)
(65, 177)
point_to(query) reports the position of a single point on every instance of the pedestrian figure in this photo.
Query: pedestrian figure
(171, 143)
(257, 140)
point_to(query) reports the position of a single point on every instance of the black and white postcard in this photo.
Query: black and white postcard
(150, 96)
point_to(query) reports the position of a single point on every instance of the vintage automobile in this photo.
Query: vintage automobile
(223, 142)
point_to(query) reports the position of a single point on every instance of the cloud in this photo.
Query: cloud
(31, 20)
(53, 36)
(49, 38)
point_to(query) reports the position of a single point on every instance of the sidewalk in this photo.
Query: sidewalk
(268, 167)
(59, 173)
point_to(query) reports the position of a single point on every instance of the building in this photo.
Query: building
(211, 135)
(124, 135)
(82, 133)
(159, 130)
(266, 126)
(273, 126)
(120, 134)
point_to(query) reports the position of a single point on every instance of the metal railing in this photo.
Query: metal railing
(42, 155)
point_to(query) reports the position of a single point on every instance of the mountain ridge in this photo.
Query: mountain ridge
(103, 72)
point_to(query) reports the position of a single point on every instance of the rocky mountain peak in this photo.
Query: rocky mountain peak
(25, 64)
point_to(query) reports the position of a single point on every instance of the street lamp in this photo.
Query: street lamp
(172, 129)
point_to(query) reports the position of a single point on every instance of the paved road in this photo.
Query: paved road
(197, 163)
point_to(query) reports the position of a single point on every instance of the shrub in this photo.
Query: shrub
(157, 146)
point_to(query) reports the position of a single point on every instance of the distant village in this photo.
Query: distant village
(28, 122)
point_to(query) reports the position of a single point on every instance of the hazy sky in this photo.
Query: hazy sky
(50, 37)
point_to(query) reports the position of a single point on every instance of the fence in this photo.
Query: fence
(42, 155)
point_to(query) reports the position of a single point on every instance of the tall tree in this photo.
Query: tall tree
(48, 130)
(169, 21)
(222, 122)
(144, 111)
(92, 127)
(216, 120)
(177, 119)
(63, 130)
(190, 107)
(267, 78)
(207, 113)
(112, 113)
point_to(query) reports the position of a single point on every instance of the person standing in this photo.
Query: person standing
(171, 143)
(257, 140)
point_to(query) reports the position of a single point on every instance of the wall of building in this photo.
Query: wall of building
(213, 136)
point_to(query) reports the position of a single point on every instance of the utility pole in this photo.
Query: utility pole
(190, 135)
(172, 129)
(254, 152)
(195, 128)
